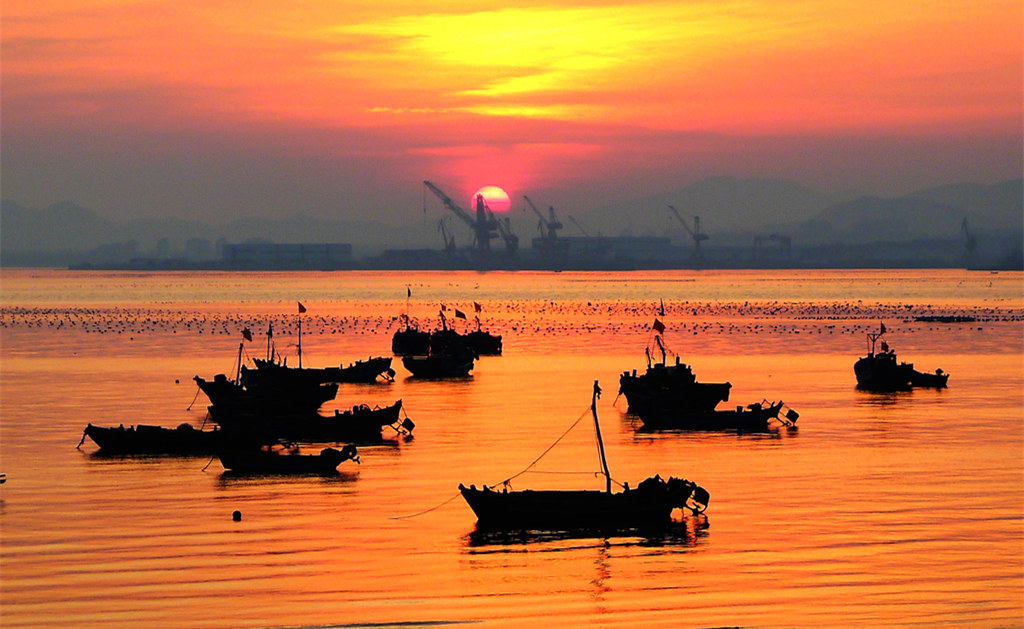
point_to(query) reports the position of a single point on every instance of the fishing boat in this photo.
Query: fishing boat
(143, 439)
(670, 388)
(452, 363)
(650, 503)
(361, 423)
(756, 417)
(276, 372)
(881, 371)
(266, 397)
(410, 340)
(479, 340)
(373, 369)
(270, 461)
(449, 357)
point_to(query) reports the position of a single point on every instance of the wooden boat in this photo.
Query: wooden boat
(881, 372)
(373, 369)
(648, 504)
(440, 365)
(480, 341)
(754, 417)
(145, 439)
(268, 461)
(277, 372)
(361, 424)
(449, 359)
(266, 397)
(670, 388)
(410, 340)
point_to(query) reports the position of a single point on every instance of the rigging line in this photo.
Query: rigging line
(542, 454)
(194, 399)
(413, 515)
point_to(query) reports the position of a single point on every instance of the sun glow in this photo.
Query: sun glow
(495, 198)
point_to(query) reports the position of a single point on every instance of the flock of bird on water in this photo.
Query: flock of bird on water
(537, 319)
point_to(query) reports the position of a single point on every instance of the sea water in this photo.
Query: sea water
(900, 509)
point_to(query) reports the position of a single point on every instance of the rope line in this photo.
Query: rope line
(526, 469)
(435, 507)
(549, 448)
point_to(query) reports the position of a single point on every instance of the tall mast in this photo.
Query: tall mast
(600, 441)
(238, 369)
(300, 341)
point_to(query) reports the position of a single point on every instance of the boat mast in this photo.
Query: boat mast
(238, 367)
(600, 441)
(270, 335)
(300, 342)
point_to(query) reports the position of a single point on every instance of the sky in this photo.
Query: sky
(190, 108)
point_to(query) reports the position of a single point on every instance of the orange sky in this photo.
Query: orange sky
(550, 97)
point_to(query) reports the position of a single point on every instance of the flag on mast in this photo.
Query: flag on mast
(459, 314)
(301, 307)
(247, 333)
(658, 326)
(478, 307)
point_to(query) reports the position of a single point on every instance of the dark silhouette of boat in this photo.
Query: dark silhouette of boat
(755, 417)
(449, 357)
(270, 461)
(480, 341)
(373, 369)
(648, 504)
(360, 424)
(882, 371)
(143, 439)
(665, 388)
(274, 371)
(266, 397)
(410, 340)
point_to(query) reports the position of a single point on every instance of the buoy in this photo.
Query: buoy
(237, 516)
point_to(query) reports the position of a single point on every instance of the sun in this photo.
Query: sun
(496, 198)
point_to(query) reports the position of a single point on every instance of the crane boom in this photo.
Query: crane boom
(695, 233)
(551, 224)
(577, 224)
(483, 225)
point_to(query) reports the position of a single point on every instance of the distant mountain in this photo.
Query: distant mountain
(994, 211)
(65, 233)
(724, 204)
(993, 207)
(60, 227)
(733, 211)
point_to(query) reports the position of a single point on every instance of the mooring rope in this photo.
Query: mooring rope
(506, 481)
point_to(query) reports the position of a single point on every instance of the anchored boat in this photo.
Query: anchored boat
(882, 372)
(650, 503)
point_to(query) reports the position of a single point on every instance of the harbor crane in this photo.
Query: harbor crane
(484, 225)
(549, 226)
(578, 226)
(449, 240)
(970, 240)
(505, 229)
(695, 233)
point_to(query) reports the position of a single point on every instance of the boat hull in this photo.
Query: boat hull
(270, 462)
(361, 423)
(439, 365)
(145, 439)
(651, 503)
(410, 342)
(753, 418)
(266, 398)
(362, 371)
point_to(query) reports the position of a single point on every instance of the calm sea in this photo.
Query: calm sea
(880, 510)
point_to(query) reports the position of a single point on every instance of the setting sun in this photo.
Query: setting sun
(496, 198)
